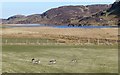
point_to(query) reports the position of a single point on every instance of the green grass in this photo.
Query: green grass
(30, 40)
(91, 59)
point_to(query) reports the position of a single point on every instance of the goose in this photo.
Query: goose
(74, 60)
(35, 61)
(52, 61)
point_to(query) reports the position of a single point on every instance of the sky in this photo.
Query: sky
(27, 8)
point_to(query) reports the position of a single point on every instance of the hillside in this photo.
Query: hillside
(105, 15)
(110, 16)
(115, 10)
(59, 16)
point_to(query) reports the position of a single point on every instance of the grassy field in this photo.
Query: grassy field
(28, 40)
(90, 59)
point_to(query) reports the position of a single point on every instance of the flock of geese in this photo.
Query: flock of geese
(52, 61)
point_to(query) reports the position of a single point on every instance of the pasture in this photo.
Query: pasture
(21, 44)
(90, 59)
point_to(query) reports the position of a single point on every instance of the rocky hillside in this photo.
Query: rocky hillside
(73, 15)
(115, 10)
(110, 16)
(60, 16)
(67, 14)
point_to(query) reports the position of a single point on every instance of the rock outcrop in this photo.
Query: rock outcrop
(110, 17)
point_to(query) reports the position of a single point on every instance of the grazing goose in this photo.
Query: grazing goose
(74, 60)
(52, 61)
(35, 61)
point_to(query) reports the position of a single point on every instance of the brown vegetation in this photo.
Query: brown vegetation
(66, 35)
